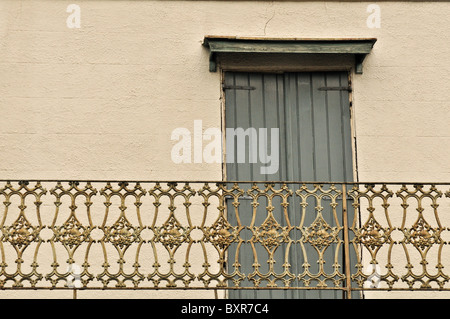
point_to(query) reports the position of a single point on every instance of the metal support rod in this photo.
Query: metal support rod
(346, 243)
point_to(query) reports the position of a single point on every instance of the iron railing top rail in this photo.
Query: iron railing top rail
(224, 181)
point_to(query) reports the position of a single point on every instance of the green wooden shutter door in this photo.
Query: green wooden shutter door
(314, 145)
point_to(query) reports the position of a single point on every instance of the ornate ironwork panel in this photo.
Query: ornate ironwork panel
(179, 235)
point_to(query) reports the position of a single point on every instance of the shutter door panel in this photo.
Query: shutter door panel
(314, 145)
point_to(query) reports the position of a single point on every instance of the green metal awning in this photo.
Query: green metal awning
(222, 44)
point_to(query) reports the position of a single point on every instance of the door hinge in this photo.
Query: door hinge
(335, 88)
(238, 87)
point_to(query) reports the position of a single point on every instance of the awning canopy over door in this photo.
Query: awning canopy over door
(223, 45)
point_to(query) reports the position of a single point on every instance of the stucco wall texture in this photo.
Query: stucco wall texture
(101, 101)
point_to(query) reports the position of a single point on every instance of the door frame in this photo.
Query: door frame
(350, 73)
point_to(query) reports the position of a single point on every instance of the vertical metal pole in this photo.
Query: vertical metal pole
(74, 294)
(346, 243)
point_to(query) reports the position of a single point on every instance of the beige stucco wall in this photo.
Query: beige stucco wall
(101, 101)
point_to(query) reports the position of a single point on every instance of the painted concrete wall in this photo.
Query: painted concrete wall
(101, 101)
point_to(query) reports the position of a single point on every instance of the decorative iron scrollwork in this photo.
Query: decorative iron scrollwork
(21, 233)
(72, 233)
(224, 235)
(421, 235)
(372, 235)
(121, 234)
(171, 234)
(320, 234)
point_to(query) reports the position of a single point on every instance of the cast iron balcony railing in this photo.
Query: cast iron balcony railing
(224, 235)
